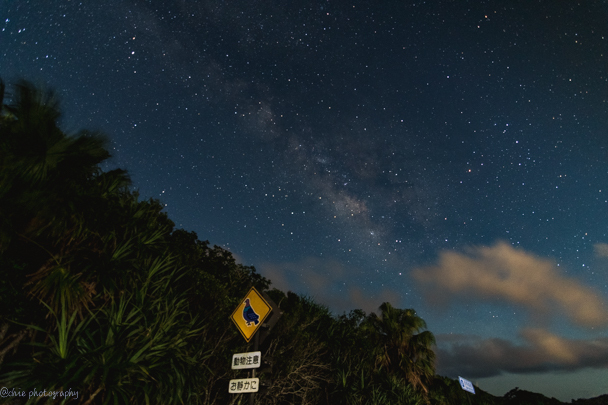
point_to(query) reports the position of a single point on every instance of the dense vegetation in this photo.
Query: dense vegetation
(100, 294)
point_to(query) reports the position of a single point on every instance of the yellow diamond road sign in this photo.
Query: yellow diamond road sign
(250, 314)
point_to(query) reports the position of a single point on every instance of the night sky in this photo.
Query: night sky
(447, 156)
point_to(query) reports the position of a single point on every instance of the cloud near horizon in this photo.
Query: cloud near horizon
(324, 280)
(542, 351)
(506, 274)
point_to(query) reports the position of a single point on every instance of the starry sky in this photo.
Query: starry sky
(447, 156)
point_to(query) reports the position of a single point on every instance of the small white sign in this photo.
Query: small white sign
(244, 385)
(466, 385)
(246, 360)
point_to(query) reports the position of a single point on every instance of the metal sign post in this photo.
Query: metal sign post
(256, 343)
(467, 386)
(249, 318)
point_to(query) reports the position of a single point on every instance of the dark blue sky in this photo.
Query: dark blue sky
(446, 156)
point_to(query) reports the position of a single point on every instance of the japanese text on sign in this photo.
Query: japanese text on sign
(246, 360)
(244, 385)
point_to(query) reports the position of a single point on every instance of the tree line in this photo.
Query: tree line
(100, 293)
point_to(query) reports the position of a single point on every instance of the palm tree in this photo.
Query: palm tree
(41, 167)
(403, 348)
(48, 182)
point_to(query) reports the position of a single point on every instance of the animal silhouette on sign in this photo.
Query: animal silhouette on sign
(249, 314)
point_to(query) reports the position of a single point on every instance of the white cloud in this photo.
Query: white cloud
(504, 273)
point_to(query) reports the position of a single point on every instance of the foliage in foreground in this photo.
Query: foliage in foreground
(100, 294)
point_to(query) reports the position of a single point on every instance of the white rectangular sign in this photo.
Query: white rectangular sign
(246, 360)
(244, 385)
(466, 385)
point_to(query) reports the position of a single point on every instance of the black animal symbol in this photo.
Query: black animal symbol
(249, 314)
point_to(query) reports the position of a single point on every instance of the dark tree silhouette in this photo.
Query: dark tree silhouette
(402, 346)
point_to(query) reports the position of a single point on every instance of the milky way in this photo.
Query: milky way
(361, 153)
